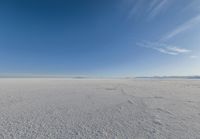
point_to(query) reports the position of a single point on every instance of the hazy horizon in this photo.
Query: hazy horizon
(95, 77)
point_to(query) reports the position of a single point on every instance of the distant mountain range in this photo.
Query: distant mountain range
(171, 77)
(90, 77)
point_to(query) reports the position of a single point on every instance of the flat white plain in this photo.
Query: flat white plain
(99, 108)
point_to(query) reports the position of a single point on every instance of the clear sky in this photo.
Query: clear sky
(100, 37)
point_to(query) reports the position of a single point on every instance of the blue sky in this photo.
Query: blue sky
(100, 38)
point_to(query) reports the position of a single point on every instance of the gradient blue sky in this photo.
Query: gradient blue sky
(100, 37)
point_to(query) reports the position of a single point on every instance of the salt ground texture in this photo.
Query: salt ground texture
(99, 109)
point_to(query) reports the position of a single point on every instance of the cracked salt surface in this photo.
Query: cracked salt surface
(97, 108)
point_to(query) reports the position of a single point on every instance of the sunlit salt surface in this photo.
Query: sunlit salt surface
(99, 108)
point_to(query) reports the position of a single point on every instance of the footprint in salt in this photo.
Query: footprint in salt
(130, 101)
(157, 120)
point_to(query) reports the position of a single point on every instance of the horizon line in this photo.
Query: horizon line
(93, 77)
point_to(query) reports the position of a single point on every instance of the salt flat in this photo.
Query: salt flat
(99, 108)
